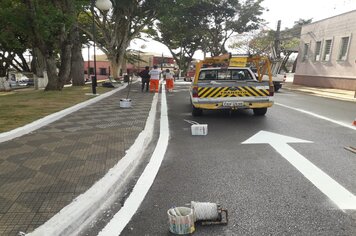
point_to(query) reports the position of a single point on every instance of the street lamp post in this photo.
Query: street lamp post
(103, 5)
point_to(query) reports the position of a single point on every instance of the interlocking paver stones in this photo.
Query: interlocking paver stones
(42, 172)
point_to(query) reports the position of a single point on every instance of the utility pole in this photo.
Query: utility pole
(277, 40)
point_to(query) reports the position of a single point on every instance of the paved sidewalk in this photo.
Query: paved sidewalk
(42, 172)
(340, 94)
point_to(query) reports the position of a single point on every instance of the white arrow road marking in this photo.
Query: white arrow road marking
(338, 194)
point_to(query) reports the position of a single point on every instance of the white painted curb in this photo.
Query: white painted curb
(6, 136)
(144, 183)
(85, 208)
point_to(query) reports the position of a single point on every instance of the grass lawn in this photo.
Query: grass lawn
(20, 107)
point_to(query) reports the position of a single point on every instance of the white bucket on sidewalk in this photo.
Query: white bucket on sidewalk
(125, 102)
(181, 220)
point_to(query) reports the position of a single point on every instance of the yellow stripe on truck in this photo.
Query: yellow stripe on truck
(240, 91)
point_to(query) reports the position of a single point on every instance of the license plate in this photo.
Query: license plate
(233, 104)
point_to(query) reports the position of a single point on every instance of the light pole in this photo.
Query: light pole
(103, 5)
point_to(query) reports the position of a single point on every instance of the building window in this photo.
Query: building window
(344, 48)
(327, 50)
(305, 51)
(317, 51)
(91, 70)
(102, 71)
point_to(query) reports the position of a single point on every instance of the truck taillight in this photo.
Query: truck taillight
(271, 91)
(195, 92)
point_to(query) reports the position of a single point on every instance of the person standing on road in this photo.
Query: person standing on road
(169, 80)
(144, 74)
(154, 80)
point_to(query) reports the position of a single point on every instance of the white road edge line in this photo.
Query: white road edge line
(6, 136)
(144, 183)
(86, 207)
(318, 116)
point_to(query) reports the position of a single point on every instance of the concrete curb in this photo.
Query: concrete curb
(6, 136)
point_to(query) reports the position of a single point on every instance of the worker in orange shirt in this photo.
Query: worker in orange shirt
(154, 80)
(169, 80)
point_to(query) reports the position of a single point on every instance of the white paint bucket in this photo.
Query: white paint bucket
(199, 129)
(125, 103)
(181, 220)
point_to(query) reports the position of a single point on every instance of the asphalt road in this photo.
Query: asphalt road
(263, 192)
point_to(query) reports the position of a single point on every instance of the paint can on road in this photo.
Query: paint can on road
(198, 129)
(181, 220)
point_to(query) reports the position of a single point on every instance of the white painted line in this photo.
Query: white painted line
(86, 207)
(338, 194)
(6, 136)
(318, 116)
(124, 215)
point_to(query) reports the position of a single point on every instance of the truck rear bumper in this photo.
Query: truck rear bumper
(232, 103)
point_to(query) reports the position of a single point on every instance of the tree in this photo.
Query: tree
(180, 29)
(47, 30)
(118, 27)
(51, 32)
(261, 42)
(191, 25)
(228, 17)
(77, 61)
(13, 38)
(257, 43)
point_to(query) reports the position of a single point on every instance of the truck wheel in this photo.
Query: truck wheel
(259, 111)
(277, 86)
(196, 111)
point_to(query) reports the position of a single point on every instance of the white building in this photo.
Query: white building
(327, 53)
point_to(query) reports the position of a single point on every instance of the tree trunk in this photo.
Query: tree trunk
(124, 66)
(66, 57)
(115, 69)
(77, 67)
(39, 62)
(77, 70)
(64, 69)
(116, 61)
(52, 74)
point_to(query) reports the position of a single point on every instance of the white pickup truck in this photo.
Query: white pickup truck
(221, 83)
(277, 80)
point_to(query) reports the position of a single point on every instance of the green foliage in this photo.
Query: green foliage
(262, 41)
(14, 26)
(228, 17)
(14, 38)
(180, 28)
(186, 26)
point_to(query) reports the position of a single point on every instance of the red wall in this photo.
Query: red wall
(100, 65)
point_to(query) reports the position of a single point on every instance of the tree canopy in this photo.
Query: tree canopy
(192, 25)
(118, 27)
(261, 41)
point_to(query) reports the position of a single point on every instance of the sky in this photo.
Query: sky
(288, 11)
